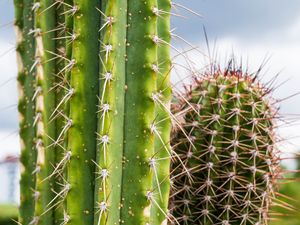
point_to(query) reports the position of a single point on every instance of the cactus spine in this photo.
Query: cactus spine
(234, 164)
(96, 104)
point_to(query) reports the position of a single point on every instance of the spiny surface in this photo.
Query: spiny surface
(231, 155)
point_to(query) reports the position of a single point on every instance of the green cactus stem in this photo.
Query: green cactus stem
(24, 22)
(229, 117)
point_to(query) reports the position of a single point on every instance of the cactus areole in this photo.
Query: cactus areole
(231, 155)
(94, 105)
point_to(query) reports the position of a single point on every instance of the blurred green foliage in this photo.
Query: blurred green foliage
(8, 213)
(288, 210)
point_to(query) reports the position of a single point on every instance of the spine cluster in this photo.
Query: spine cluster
(231, 156)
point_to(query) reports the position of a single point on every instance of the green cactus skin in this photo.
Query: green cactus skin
(140, 81)
(79, 139)
(24, 22)
(109, 158)
(82, 119)
(234, 164)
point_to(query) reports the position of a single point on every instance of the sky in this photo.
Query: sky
(252, 30)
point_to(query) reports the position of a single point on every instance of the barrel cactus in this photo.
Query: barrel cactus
(94, 105)
(231, 155)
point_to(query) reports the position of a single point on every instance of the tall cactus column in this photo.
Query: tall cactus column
(24, 22)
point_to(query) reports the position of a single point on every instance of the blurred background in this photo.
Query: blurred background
(254, 31)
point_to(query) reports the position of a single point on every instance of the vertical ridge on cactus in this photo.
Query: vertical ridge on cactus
(24, 23)
(162, 121)
(235, 164)
(141, 53)
(111, 105)
(82, 118)
(44, 33)
(62, 92)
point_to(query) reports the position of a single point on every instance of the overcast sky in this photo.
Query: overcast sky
(252, 29)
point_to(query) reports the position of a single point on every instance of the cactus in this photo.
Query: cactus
(232, 157)
(97, 102)
(96, 121)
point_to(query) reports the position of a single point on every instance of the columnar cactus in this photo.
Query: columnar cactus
(232, 156)
(95, 109)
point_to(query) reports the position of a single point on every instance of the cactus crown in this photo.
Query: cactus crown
(232, 156)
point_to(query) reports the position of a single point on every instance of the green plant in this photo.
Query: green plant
(289, 197)
(232, 157)
(288, 204)
(95, 93)
(96, 121)
(8, 214)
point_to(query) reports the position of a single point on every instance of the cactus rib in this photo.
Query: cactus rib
(24, 22)
(141, 53)
(162, 121)
(82, 117)
(44, 32)
(111, 112)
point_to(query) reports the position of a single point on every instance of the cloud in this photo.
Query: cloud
(8, 87)
(284, 58)
(246, 19)
(6, 20)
